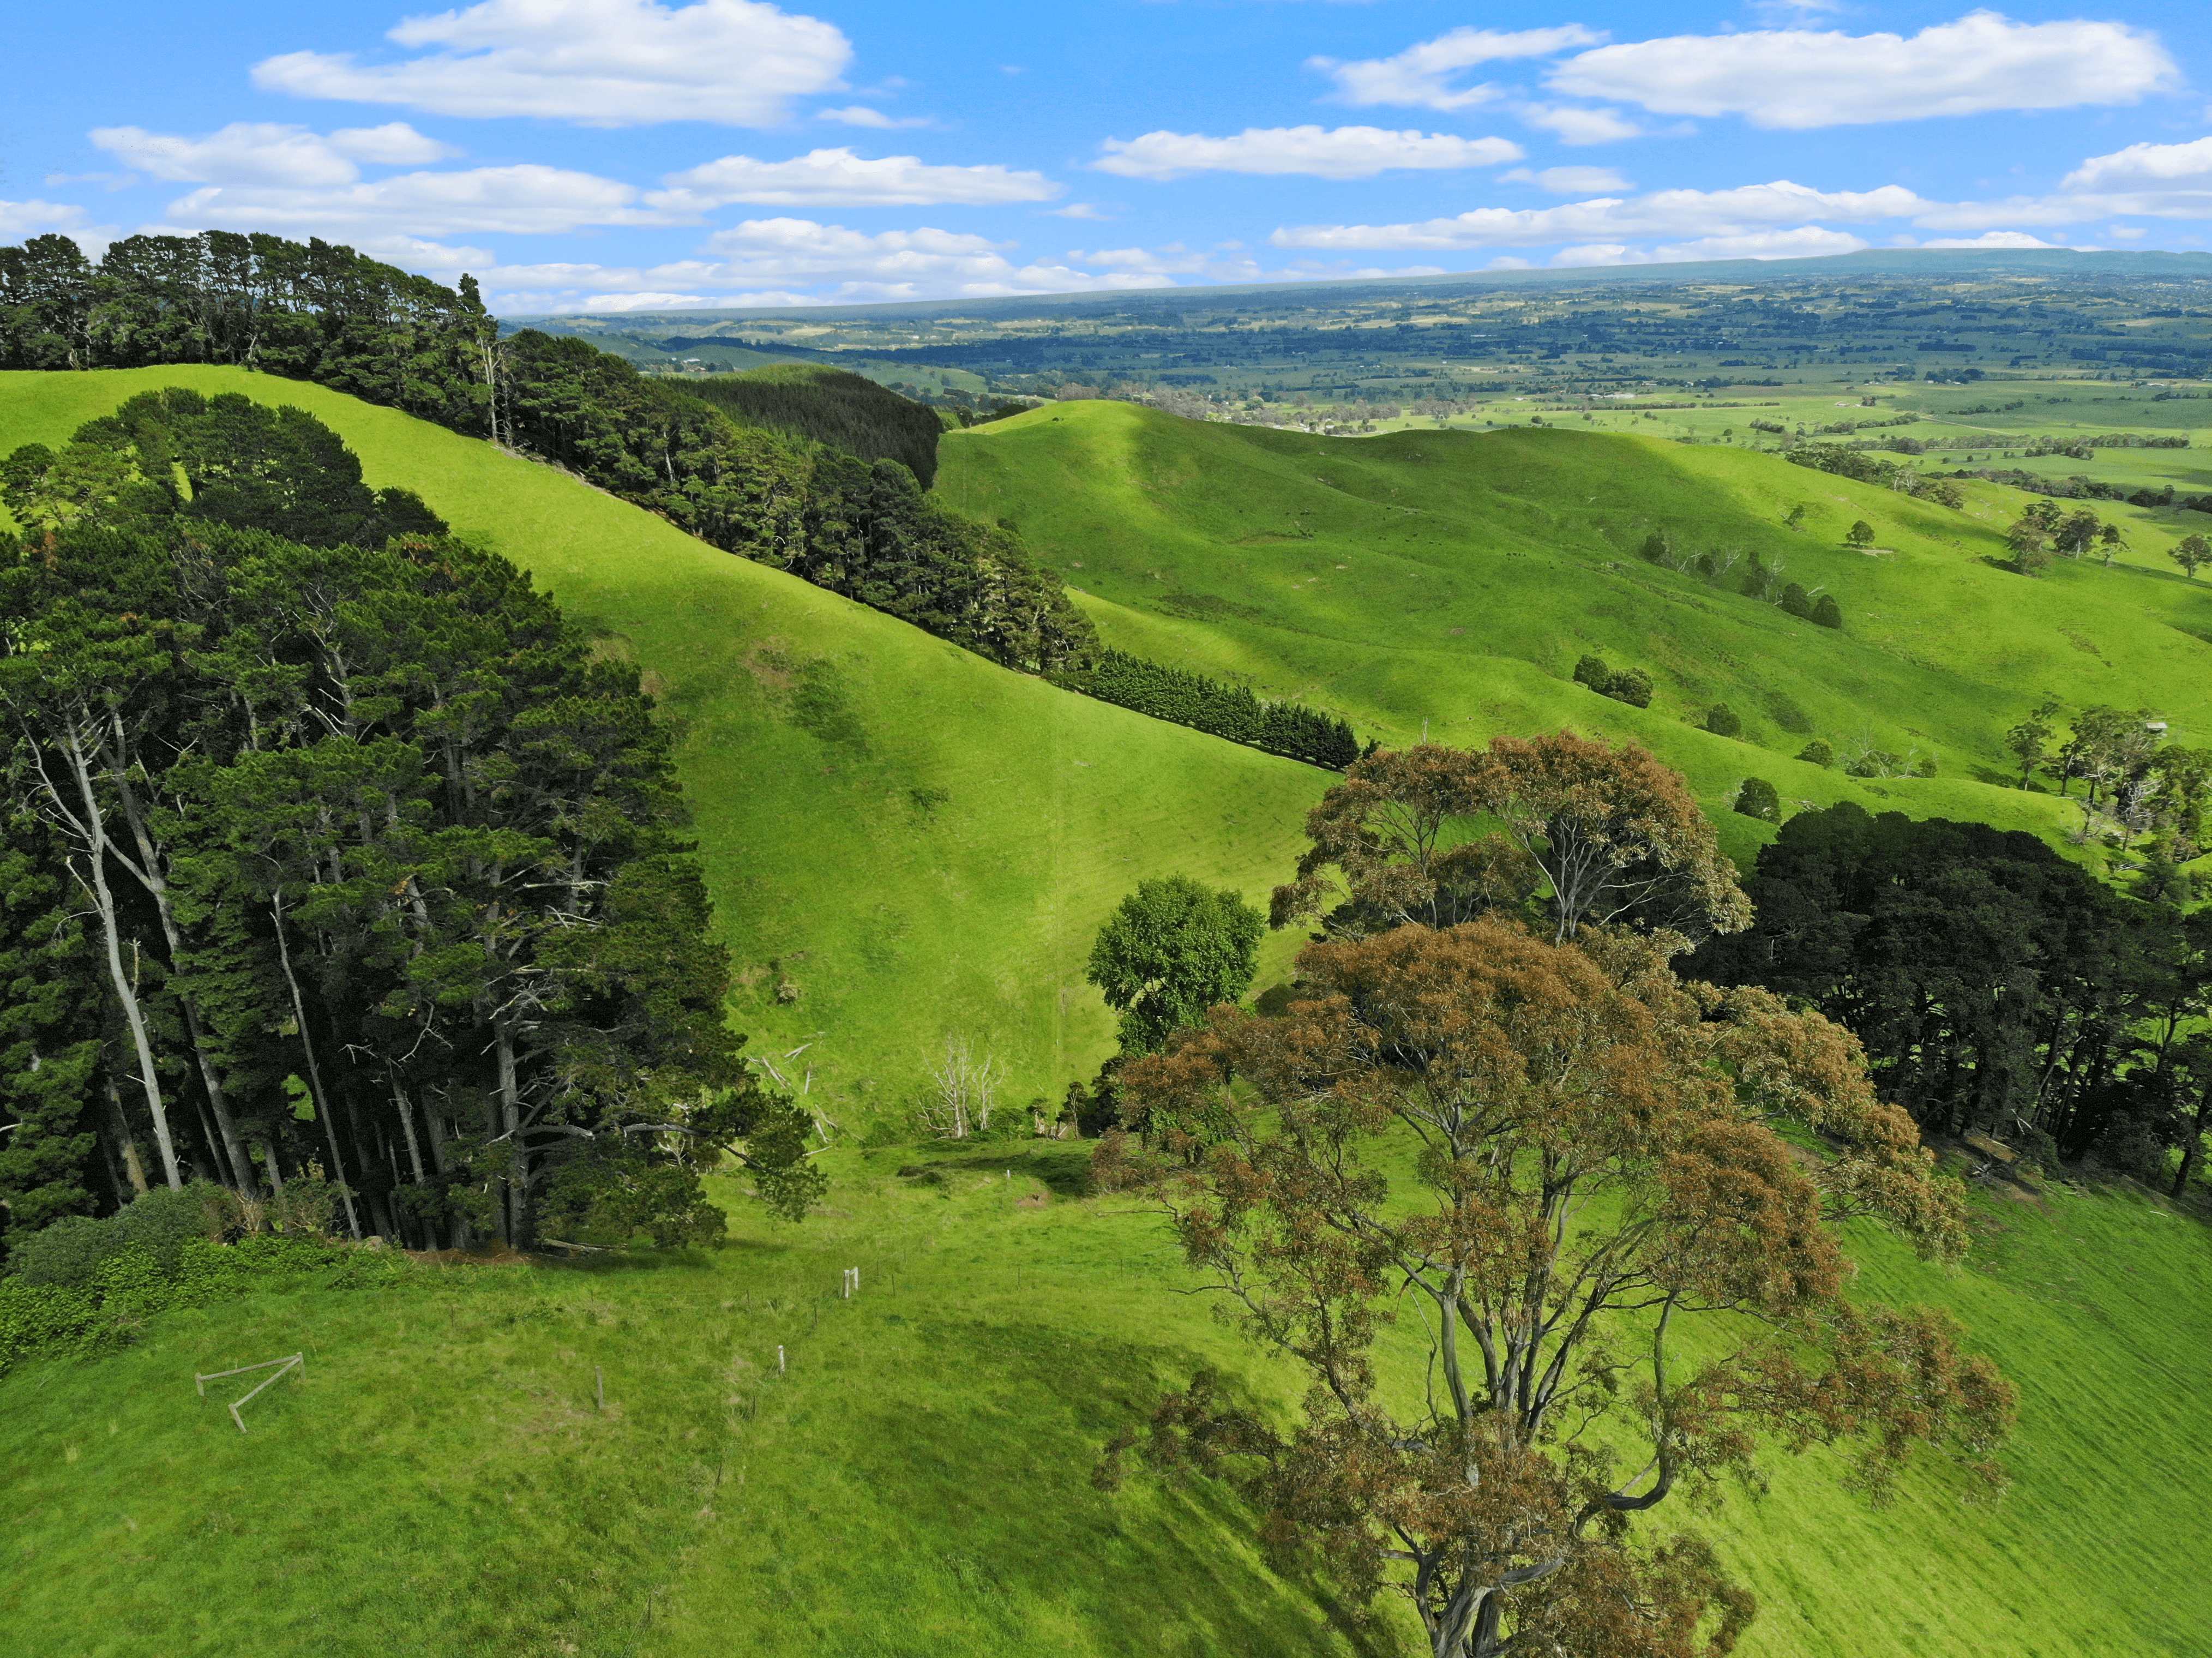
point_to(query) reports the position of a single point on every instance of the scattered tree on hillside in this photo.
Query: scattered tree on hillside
(2190, 552)
(1722, 720)
(1169, 951)
(2077, 533)
(1826, 612)
(1757, 798)
(1588, 1150)
(1861, 534)
(1608, 836)
(1795, 518)
(1818, 752)
(2030, 740)
(1795, 601)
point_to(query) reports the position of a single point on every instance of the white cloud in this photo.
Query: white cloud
(36, 218)
(2126, 232)
(526, 200)
(1738, 212)
(838, 177)
(1571, 180)
(1993, 239)
(264, 152)
(1799, 78)
(602, 63)
(890, 264)
(1080, 210)
(2146, 166)
(1805, 242)
(1580, 126)
(860, 115)
(1420, 76)
(1358, 152)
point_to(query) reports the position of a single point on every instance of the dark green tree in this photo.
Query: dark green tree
(1171, 951)
(1861, 534)
(1828, 613)
(1722, 720)
(1818, 752)
(1757, 798)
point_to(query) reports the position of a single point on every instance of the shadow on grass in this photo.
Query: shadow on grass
(1063, 1167)
(948, 1507)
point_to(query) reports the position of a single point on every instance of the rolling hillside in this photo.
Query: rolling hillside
(440, 1483)
(1448, 582)
(904, 840)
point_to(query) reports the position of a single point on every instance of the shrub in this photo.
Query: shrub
(1631, 686)
(1757, 798)
(1797, 601)
(71, 1252)
(611, 1201)
(1592, 672)
(1655, 548)
(1818, 752)
(1723, 721)
(1828, 613)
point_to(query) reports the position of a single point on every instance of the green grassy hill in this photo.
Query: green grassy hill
(904, 840)
(441, 1485)
(1448, 582)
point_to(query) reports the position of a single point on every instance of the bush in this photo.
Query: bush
(130, 1283)
(1797, 601)
(71, 1252)
(612, 1201)
(1631, 686)
(1757, 798)
(1654, 548)
(1722, 720)
(1818, 752)
(1592, 672)
(1828, 613)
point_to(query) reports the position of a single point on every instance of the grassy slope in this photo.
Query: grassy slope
(1448, 580)
(440, 1484)
(808, 723)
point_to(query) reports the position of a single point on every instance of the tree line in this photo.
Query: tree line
(859, 524)
(1996, 986)
(339, 866)
(1190, 699)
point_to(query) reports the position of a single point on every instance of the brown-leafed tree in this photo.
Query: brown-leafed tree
(1602, 834)
(1558, 1165)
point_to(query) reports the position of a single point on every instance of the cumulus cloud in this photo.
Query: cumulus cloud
(891, 264)
(1698, 213)
(2146, 167)
(860, 115)
(1993, 239)
(1571, 180)
(838, 177)
(1358, 152)
(600, 63)
(1800, 78)
(526, 200)
(264, 152)
(1805, 242)
(1421, 77)
(34, 218)
(1576, 125)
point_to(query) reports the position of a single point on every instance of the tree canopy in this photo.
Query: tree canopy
(1171, 951)
(1552, 1159)
(341, 863)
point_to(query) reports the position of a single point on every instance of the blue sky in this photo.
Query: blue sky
(611, 155)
